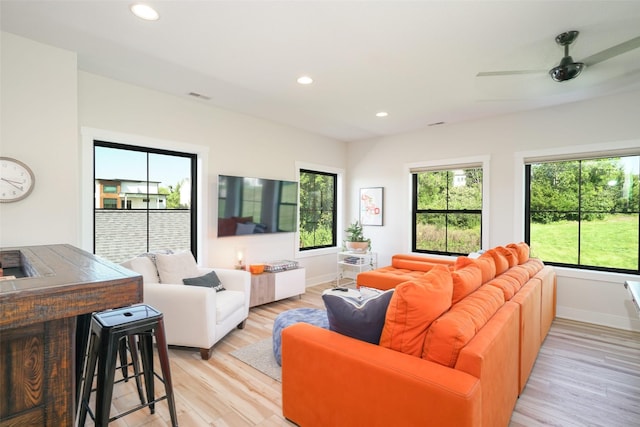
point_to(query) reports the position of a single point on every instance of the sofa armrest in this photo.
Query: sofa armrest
(332, 379)
(189, 312)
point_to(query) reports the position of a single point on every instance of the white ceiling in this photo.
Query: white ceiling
(417, 60)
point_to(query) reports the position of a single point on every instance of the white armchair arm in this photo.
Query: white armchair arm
(234, 280)
(189, 312)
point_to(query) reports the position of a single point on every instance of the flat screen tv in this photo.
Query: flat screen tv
(256, 206)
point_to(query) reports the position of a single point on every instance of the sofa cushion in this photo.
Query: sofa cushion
(413, 306)
(533, 265)
(522, 250)
(486, 264)
(143, 266)
(360, 316)
(500, 261)
(507, 284)
(520, 273)
(510, 254)
(242, 228)
(465, 281)
(172, 268)
(453, 330)
(227, 303)
(209, 280)
(387, 277)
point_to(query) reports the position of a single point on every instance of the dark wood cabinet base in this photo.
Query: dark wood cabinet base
(38, 366)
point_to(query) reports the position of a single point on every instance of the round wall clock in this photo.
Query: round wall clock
(16, 180)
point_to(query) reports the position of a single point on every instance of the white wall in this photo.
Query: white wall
(231, 143)
(603, 123)
(49, 109)
(38, 126)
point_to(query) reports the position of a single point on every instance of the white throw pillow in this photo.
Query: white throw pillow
(143, 266)
(175, 267)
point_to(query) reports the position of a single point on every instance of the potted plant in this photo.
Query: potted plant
(356, 242)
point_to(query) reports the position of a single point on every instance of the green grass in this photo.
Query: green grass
(612, 242)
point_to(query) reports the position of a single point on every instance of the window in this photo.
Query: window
(447, 210)
(110, 188)
(318, 195)
(155, 207)
(110, 203)
(584, 213)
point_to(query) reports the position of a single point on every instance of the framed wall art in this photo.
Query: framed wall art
(371, 205)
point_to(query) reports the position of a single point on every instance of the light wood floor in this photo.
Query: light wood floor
(585, 375)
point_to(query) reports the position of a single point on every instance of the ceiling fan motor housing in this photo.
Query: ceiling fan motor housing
(567, 69)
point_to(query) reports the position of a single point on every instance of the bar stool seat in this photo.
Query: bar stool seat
(110, 331)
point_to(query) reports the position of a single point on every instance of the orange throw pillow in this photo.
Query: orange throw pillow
(413, 306)
(522, 249)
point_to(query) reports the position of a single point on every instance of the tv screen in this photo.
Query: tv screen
(256, 206)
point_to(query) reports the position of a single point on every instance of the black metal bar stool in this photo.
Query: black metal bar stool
(108, 331)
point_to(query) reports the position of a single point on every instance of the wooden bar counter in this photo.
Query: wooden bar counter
(55, 285)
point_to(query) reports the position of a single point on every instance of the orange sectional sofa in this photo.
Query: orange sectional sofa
(459, 341)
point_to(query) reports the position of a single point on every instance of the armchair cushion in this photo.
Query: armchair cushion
(227, 303)
(145, 267)
(172, 268)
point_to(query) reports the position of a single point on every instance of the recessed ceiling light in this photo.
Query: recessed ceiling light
(305, 80)
(145, 12)
(382, 114)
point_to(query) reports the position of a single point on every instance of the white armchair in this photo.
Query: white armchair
(194, 316)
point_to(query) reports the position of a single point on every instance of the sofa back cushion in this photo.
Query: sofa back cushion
(510, 254)
(499, 259)
(486, 264)
(413, 306)
(449, 333)
(522, 249)
(465, 281)
(144, 266)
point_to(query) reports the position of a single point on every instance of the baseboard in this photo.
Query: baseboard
(603, 319)
(317, 280)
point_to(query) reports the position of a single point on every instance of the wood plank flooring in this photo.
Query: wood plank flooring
(585, 375)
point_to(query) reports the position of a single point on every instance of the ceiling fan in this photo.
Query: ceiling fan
(568, 69)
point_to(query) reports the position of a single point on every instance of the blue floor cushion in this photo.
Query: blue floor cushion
(313, 316)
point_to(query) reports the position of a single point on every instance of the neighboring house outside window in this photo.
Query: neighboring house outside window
(447, 204)
(584, 212)
(318, 216)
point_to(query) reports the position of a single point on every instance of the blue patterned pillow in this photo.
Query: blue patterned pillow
(357, 314)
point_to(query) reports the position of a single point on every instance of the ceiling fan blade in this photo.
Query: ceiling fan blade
(616, 50)
(508, 73)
